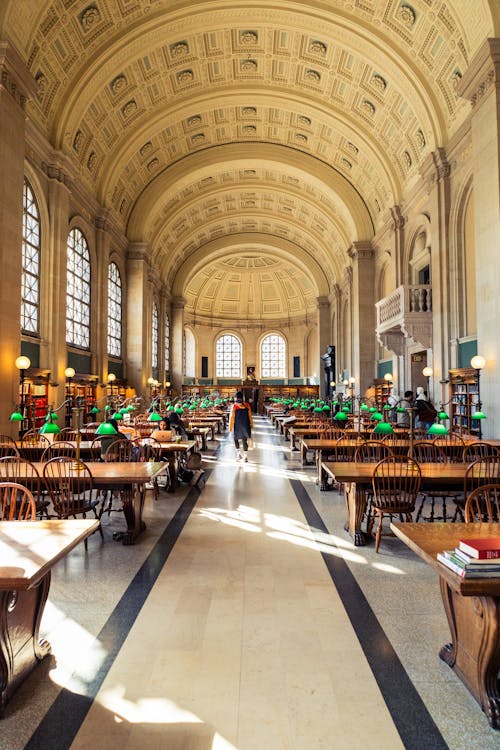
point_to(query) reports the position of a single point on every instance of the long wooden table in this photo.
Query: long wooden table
(28, 550)
(472, 608)
(356, 477)
(130, 478)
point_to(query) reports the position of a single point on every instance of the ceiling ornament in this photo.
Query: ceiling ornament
(89, 17)
(118, 84)
(185, 76)
(180, 49)
(407, 15)
(249, 37)
(312, 75)
(129, 108)
(317, 47)
(248, 66)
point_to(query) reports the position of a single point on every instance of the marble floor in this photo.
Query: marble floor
(244, 619)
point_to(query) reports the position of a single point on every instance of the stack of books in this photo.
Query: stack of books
(474, 558)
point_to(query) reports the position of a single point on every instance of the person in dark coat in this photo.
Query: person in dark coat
(240, 424)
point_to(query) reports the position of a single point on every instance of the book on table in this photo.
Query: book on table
(452, 560)
(481, 549)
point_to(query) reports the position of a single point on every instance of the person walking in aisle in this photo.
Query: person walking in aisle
(240, 424)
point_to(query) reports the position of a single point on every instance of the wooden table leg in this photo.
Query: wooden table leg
(20, 646)
(355, 498)
(474, 653)
(133, 504)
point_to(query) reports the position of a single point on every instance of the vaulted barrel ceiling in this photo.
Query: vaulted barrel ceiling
(208, 128)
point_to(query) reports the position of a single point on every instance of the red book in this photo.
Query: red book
(481, 549)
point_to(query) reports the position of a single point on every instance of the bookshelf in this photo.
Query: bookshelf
(463, 400)
(82, 392)
(382, 391)
(36, 398)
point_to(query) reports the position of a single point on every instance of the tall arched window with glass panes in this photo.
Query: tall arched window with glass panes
(114, 311)
(167, 345)
(154, 340)
(228, 357)
(30, 278)
(273, 356)
(78, 291)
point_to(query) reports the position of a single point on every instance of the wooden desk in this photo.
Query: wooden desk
(356, 477)
(172, 451)
(472, 608)
(130, 478)
(28, 550)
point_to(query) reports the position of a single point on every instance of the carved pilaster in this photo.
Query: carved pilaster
(15, 78)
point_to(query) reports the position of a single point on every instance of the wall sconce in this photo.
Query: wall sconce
(22, 363)
(428, 372)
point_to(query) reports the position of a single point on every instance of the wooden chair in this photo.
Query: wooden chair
(16, 503)
(72, 492)
(476, 450)
(151, 451)
(120, 450)
(453, 445)
(372, 451)
(58, 448)
(22, 471)
(8, 446)
(482, 471)
(396, 485)
(483, 504)
(67, 433)
(427, 452)
(33, 444)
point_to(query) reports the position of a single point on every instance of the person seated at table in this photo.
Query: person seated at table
(162, 432)
(177, 425)
(107, 440)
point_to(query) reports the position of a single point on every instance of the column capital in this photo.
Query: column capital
(361, 251)
(436, 168)
(397, 218)
(322, 302)
(137, 251)
(15, 78)
(178, 303)
(482, 74)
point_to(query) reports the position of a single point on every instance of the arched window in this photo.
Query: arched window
(273, 356)
(228, 357)
(30, 279)
(114, 311)
(154, 338)
(78, 291)
(167, 343)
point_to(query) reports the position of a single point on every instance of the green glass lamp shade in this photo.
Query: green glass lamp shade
(179, 410)
(192, 407)
(107, 407)
(387, 407)
(437, 429)
(363, 407)
(106, 428)
(478, 415)
(400, 410)
(376, 416)
(117, 415)
(155, 417)
(347, 405)
(170, 408)
(123, 410)
(318, 408)
(95, 410)
(16, 416)
(49, 428)
(372, 410)
(383, 428)
(130, 408)
(443, 415)
(335, 403)
(326, 407)
(340, 416)
(304, 406)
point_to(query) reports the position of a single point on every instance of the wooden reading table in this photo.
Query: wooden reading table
(356, 477)
(28, 550)
(472, 607)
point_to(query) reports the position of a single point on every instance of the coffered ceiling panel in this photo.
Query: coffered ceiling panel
(197, 123)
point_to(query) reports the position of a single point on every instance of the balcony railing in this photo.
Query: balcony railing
(406, 313)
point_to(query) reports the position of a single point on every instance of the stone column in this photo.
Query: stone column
(436, 173)
(363, 314)
(100, 308)
(325, 339)
(53, 354)
(481, 84)
(177, 341)
(138, 324)
(16, 86)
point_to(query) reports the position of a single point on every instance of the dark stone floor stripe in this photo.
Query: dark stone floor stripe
(415, 725)
(62, 721)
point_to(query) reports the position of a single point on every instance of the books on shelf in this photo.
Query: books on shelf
(452, 560)
(481, 549)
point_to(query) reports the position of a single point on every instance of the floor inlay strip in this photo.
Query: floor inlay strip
(409, 713)
(61, 723)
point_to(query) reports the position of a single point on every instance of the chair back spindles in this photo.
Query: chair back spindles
(483, 504)
(16, 502)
